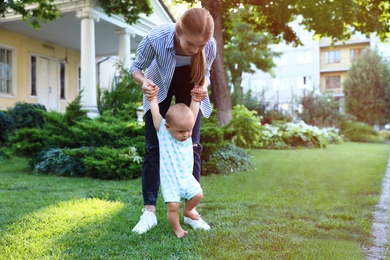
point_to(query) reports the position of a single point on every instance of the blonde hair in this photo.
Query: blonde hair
(177, 112)
(197, 22)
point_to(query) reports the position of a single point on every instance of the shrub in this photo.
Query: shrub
(385, 135)
(115, 99)
(28, 142)
(96, 162)
(6, 126)
(271, 137)
(227, 159)
(108, 163)
(57, 162)
(303, 135)
(100, 133)
(357, 132)
(74, 112)
(27, 115)
(211, 138)
(244, 127)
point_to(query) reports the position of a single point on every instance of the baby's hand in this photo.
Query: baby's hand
(199, 93)
(152, 93)
(149, 89)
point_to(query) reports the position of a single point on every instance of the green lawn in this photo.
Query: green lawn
(294, 204)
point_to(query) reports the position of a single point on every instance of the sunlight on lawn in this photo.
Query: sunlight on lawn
(49, 231)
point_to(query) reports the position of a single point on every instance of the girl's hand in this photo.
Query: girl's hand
(149, 89)
(199, 93)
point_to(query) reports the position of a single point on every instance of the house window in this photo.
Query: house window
(332, 57)
(355, 53)
(5, 71)
(62, 80)
(33, 72)
(332, 82)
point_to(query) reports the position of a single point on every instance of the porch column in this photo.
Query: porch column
(88, 61)
(124, 47)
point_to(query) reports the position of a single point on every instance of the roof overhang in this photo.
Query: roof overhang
(66, 30)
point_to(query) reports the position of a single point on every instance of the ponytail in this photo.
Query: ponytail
(198, 68)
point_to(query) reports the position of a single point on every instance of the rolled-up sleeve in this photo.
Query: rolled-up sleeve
(145, 56)
(210, 53)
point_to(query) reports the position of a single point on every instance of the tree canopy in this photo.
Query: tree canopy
(37, 12)
(245, 51)
(42, 12)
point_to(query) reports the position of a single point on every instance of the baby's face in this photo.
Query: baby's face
(181, 130)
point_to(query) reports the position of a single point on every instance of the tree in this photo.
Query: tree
(43, 11)
(245, 50)
(367, 89)
(37, 12)
(328, 18)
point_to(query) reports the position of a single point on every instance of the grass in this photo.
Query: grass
(294, 204)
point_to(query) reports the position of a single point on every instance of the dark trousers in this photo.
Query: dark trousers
(180, 89)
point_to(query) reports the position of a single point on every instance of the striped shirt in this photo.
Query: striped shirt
(156, 55)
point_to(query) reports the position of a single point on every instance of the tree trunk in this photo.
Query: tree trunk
(220, 94)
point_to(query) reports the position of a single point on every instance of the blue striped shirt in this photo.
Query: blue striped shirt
(156, 55)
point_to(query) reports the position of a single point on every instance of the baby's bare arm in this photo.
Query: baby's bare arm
(155, 110)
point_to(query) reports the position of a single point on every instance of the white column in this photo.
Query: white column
(124, 47)
(88, 61)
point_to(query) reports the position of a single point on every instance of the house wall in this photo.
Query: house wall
(24, 47)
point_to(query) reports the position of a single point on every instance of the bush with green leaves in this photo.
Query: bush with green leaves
(271, 137)
(113, 164)
(295, 135)
(120, 96)
(385, 135)
(75, 112)
(26, 115)
(320, 110)
(95, 162)
(6, 126)
(29, 142)
(58, 162)
(227, 159)
(303, 135)
(358, 132)
(244, 128)
(211, 137)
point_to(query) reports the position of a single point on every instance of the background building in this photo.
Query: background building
(316, 66)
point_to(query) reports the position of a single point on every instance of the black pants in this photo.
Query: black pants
(180, 88)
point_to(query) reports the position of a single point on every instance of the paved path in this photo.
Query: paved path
(380, 219)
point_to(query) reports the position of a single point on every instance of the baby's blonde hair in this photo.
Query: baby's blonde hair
(197, 22)
(177, 112)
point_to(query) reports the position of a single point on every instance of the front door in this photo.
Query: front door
(48, 83)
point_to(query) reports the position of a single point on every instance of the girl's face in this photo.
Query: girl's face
(190, 45)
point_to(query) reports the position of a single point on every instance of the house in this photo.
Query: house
(52, 64)
(316, 66)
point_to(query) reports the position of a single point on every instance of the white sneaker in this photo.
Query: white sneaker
(147, 221)
(197, 224)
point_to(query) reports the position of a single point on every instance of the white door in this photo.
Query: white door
(48, 83)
